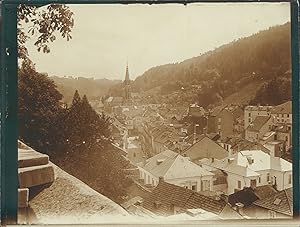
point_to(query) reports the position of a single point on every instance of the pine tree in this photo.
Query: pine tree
(90, 156)
(76, 99)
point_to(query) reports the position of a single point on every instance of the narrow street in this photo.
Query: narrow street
(135, 153)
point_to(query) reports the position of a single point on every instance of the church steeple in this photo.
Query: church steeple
(127, 87)
(127, 80)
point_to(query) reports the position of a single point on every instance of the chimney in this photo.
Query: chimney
(223, 197)
(205, 131)
(161, 179)
(230, 160)
(275, 183)
(250, 160)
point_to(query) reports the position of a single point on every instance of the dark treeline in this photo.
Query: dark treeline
(222, 72)
(77, 138)
(93, 88)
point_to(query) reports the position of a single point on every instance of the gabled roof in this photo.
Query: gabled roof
(259, 108)
(165, 195)
(280, 164)
(171, 165)
(247, 163)
(284, 108)
(198, 151)
(217, 110)
(239, 144)
(165, 135)
(190, 138)
(117, 99)
(236, 111)
(258, 123)
(281, 202)
(152, 166)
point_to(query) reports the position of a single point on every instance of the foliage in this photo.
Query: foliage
(93, 88)
(39, 108)
(225, 70)
(88, 153)
(77, 138)
(44, 22)
(275, 92)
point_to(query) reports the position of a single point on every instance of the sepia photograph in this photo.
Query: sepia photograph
(160, 113)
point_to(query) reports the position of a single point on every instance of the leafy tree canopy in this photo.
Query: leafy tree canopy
(45, 23)
(39, 107)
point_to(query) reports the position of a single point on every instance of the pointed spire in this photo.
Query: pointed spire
(127, 73)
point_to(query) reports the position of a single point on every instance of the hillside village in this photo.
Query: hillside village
(208, 138)
(185, 162)
(228, 161)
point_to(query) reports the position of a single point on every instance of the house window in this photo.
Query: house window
(268, 177)
(290, 178)
(288, 115)
(272, 214)
(259, 179)
(194, 186)
(286, 138)
(219, 119)
(156, 204)
(253, 183)
(249, 120)
(239, 184)
(249, 115)
(205, 185)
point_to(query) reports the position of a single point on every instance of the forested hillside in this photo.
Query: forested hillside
(93, 88)
(220, 73)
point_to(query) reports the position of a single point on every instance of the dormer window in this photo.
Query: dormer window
(156, 204)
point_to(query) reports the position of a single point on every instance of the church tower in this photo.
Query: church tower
(127, 87)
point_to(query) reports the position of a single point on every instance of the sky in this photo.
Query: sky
(106, 37)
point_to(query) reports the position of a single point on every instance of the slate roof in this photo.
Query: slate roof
(249, 195)
(258, 123)
(284, 108)
(165, 195)
(239, 144)
(265, 191)
(245, 196)
(281, 202)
